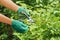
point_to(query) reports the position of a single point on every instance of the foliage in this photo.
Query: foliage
(45, 13)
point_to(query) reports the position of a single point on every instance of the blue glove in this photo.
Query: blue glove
(19, 26)
(20, 10)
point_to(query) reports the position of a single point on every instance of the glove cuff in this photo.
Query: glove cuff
(20, 9)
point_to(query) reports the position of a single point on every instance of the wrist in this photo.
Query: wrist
(16, 8)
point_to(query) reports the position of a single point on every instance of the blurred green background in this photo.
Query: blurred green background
(45, 13)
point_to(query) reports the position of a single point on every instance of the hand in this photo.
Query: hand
(19, 26)
(23, 11)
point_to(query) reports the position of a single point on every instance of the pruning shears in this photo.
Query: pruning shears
(28, 17)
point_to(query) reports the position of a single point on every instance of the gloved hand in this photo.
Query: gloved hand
(19, 26)
(23, 11)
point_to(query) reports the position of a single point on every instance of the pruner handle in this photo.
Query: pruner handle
(28, 17)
